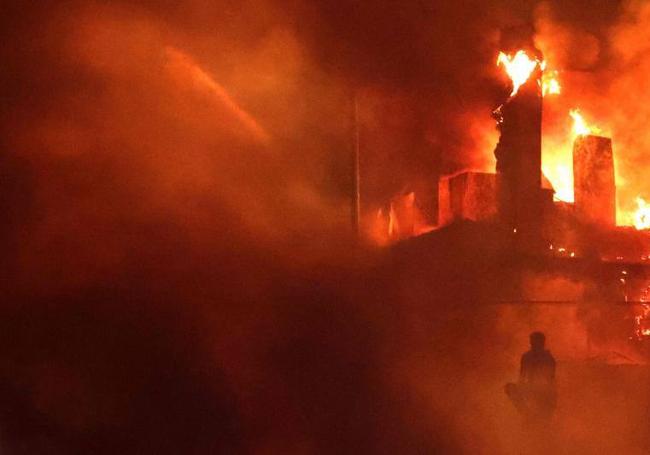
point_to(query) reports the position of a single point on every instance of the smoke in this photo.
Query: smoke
(628, 90)
(178, 270)
(601, 56)
(564, 44)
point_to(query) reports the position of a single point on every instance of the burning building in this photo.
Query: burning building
(519, 198)
(505, 238)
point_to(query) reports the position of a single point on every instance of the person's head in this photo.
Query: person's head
(537, 340)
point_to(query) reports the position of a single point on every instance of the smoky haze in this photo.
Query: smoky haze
(178, 272)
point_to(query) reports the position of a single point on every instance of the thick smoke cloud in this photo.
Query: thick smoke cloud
(177, 270)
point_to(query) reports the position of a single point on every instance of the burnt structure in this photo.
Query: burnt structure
(522, 236)
(580, 268)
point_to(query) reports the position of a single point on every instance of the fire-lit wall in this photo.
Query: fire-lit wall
(595, 185)
(467, 196)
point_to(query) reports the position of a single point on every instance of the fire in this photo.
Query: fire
(557, 160)
(519, 67)
(559, 171)
(393, 222)
(580, 126)
(550, 84)
(642, 214)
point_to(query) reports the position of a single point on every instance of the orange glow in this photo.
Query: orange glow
(402, 220)
(393, 222)
(642, 214)
(519, 67)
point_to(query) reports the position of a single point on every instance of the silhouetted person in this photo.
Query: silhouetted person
(534, 396)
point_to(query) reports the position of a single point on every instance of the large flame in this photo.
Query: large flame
(557, 163)
(642, 214)
(559, 171)
(519, 67)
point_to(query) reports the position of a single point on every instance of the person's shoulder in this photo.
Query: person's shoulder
(527, 355)
(548, 355)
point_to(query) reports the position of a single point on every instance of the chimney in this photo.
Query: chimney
(594, 181)
(519, 156)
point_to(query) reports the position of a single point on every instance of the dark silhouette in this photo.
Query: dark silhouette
(534, 395)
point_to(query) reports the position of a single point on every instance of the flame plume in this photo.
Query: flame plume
(519, 67)
(580, 126)
(642, 214)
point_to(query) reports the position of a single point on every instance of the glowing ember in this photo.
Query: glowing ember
(642, 320)
(550, 84)
(519, 67)
(642, 214)
(642, 330)
(580, 126)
